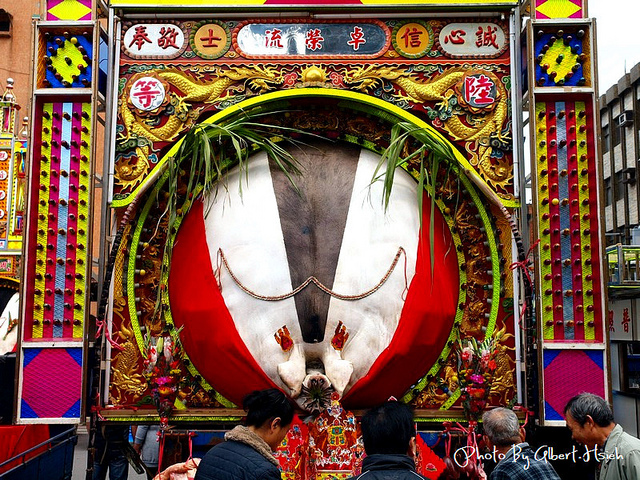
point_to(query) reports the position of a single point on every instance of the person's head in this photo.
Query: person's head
(269, 415)
(589, 418)
(501, 428)
(389, 429)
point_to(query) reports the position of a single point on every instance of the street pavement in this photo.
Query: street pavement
(80, 459)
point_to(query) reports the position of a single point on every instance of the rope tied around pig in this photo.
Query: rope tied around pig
(222, 260)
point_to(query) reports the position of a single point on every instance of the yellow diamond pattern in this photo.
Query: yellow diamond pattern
(558, 8)
(67, 50)
(70, 10)
(568, 61)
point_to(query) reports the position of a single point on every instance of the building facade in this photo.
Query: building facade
(620, 144)
(16, 45)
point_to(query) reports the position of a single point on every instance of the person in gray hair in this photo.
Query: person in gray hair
(590, 420)
(505, 438)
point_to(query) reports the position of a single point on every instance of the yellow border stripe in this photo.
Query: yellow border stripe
(81, 283)
(20, 156)
(545, 300)
(376, 3)
(38, 329)
(448, 3)
(589, 332)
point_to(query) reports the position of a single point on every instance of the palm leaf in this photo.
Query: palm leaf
(428, 148)
(209, 150)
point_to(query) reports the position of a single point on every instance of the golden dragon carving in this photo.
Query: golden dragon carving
(183, 91)
(478, 129)
(125, 379)
(503, 381)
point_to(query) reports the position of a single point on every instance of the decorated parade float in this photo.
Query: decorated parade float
(13, 154)
(324, 197)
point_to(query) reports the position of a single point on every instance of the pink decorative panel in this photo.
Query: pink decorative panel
(567, 373)
(52, 383)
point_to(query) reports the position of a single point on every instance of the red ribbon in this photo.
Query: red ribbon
(160, 449)
(524, 266)
(101, 325)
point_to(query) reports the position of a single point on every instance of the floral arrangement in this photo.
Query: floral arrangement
(476, 365)
(162, 369)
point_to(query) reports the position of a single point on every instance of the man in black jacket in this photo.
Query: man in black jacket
(389, 437)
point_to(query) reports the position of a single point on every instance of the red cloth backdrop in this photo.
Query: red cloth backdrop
(218, 352)
(16, 439)
(209, 336)
(425, 322)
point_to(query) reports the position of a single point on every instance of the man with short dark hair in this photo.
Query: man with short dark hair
(389, 437)
(590, 420)
(518, 461)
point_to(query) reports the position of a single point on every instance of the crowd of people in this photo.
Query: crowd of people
(389, 438)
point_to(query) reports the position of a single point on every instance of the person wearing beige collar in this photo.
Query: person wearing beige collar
(247, 452)
(590, 420)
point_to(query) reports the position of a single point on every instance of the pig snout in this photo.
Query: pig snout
(316, 380)
(316, 391)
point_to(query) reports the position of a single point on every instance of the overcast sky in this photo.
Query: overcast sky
(618, 28)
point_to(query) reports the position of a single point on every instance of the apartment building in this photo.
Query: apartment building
(620, 144)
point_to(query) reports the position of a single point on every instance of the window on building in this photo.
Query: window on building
(5, 23)
(615, 135)
(619, 186)
(605, 139)
(623, 238)
(611, 238)
(608, 194)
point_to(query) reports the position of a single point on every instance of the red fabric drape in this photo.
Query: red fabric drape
(425, 322)
(209, 335)
(217, 351)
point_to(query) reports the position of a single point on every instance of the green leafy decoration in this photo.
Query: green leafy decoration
(427, 152)
(209, 150)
